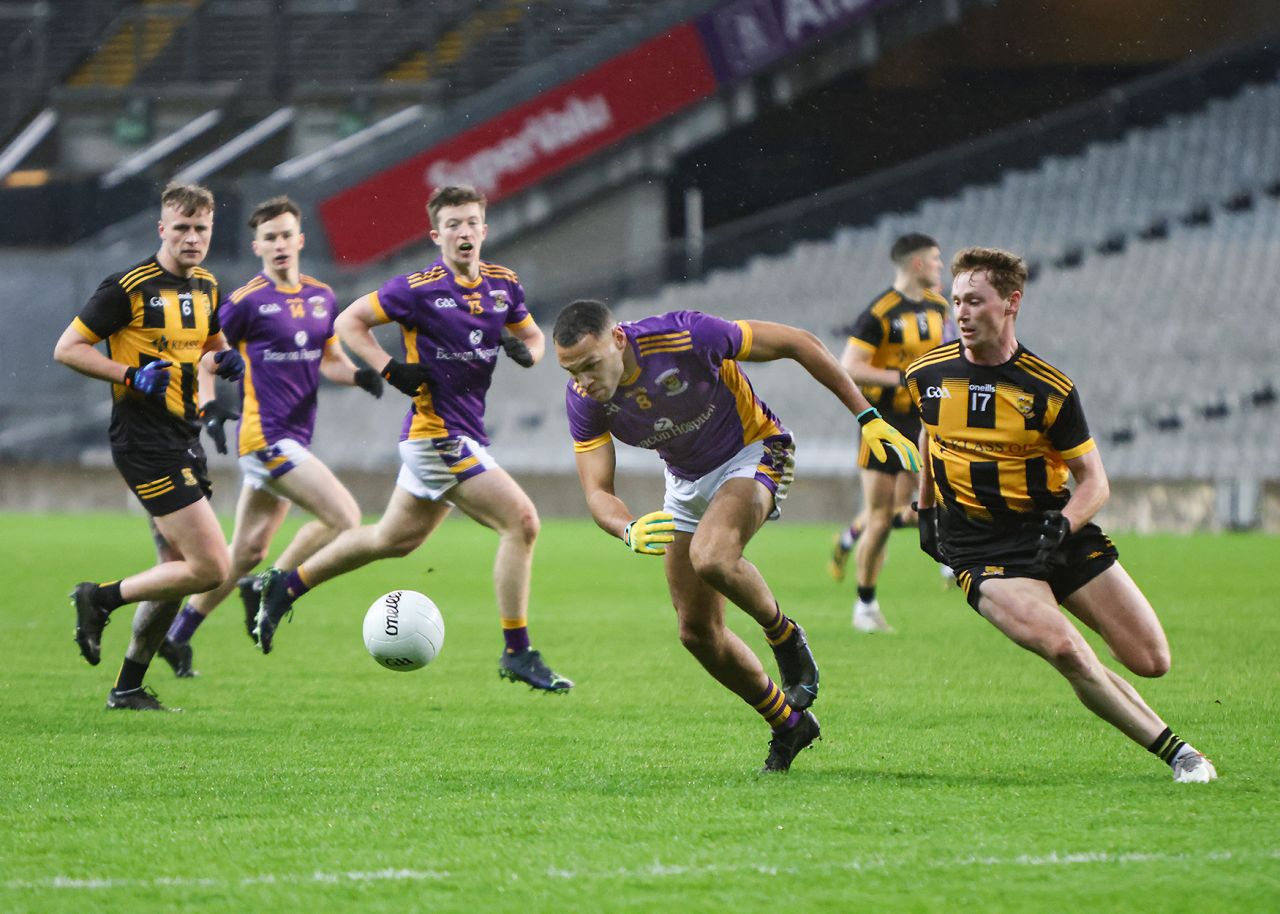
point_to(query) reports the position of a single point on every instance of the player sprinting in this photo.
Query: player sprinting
(455, 316)
(901, 324)
(673, 383)
(1003, 431)
(159, 319)
(281, 322)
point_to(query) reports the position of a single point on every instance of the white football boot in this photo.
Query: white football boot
(1191, 767)
(868, 618)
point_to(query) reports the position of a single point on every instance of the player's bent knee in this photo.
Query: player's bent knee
(1068, 656)
(528, 526)
(250, 555)
(1151, 665)
(711, 561)
(698, 639)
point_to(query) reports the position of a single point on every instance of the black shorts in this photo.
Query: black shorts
(981, 554)
(167, 481)
(909, 425)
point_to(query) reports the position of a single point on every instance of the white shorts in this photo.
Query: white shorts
(430, 467)
(262, 466)
(686, 500)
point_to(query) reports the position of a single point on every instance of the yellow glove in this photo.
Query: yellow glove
(880, 435)
(649, 534)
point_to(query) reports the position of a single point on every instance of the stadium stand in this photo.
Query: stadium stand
(1210, 178)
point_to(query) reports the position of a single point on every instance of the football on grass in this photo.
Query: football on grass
(403, 630)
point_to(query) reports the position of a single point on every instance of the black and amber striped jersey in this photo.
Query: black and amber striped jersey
(897, 331)
(999, 435)
(147, 314)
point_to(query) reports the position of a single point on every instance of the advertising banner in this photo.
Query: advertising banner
(526, 144)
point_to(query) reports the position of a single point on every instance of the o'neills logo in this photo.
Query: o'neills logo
(391, 605)
(542, 134)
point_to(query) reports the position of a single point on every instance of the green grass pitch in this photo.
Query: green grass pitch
(956, 771)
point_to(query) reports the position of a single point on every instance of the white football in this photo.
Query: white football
(403, 630)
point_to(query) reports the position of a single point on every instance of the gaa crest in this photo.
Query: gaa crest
(671, 382)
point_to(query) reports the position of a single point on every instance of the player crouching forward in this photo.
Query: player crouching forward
(1004, 430)
(672, 383)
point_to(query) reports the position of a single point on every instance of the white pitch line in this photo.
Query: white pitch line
(70, 882)
(655, 870)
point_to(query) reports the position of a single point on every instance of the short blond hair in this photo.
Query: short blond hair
(1006, 272)
(187, 199)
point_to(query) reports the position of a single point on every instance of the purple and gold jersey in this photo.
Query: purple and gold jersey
(453, 326)
(688, 399)
(281, 333)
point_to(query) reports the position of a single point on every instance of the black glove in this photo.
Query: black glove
(369, 381)
(516, 350)
(929, 532)
(1053, 530)
(230, 366)
(405, 378)
(212, 415)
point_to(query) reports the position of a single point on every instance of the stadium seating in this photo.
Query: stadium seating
(1208, 283)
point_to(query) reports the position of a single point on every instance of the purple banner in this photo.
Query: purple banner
(744, 36)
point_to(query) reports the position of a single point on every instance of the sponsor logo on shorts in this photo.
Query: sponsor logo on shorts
(188, 477)
(993, 571)
(1096, 554)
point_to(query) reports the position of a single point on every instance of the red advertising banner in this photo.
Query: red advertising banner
(505, 154)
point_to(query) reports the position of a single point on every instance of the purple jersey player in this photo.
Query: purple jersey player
(282, 324)
(454, 317)
(673, 383)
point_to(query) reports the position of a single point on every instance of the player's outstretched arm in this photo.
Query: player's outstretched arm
(646, 535)
(770, 342)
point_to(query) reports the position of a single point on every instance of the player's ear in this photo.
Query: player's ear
(302, 241)
(619, 338)
(1015, 302)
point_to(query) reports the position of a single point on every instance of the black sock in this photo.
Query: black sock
(1166, 745)
(131, 673)
(108, 596)
(867, 594)
(898, 522)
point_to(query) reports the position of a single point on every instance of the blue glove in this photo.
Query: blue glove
(149, 380)
(230, 365)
